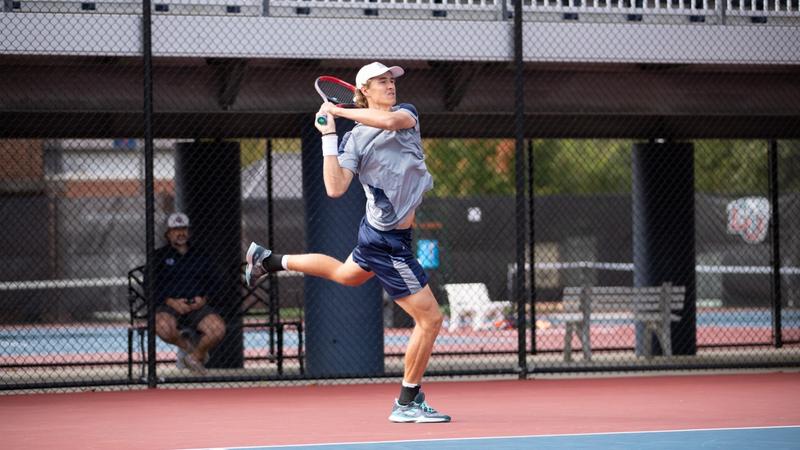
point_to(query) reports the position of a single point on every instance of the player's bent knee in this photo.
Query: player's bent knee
(350, 279)
(431, 321)
(436, 323)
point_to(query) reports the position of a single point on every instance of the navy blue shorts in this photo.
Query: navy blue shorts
(388, 254)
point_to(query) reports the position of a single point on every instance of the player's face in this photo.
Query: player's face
(178, 237)
(381, 91)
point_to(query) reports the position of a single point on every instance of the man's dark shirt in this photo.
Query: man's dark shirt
(182, 276)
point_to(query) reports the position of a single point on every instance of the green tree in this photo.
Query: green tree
(731, 167)
(569, 166)
(255, 149)
(464, 167)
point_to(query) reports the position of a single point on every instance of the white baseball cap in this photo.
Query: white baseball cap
(177, 220)
(375, 69)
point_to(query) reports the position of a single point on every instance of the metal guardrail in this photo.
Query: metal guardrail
(558, 6)
(763, 8)
(628, 267)
(60, 284)
(712, 269)
(608, 7)
(437, 9)
(21, 285)
(178, 7)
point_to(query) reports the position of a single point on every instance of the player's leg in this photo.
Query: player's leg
(389, 256)
(261, 261)
(423, 308)
(411, 405)
(348, 273)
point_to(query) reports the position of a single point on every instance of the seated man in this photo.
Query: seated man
(183, 282)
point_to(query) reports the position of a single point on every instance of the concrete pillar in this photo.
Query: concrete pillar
(663, 231)
(29, 243)
(344, 325)
(208, 189)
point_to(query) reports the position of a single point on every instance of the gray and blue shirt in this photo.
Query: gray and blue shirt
(391, 167)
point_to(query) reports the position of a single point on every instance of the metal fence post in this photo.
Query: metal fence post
(519, 171)
(775, 244)
(147, 55)
(531, 246)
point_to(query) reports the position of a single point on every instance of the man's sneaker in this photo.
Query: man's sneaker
(180, 360)
(255, 270)
(181, 356)
(417, 412)
(194, 365)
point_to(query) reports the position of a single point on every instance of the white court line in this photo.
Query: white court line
(525, 436)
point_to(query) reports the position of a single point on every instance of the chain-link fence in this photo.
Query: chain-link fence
(639, 159)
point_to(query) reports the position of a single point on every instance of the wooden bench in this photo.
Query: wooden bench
(654, 307)
(258, 311)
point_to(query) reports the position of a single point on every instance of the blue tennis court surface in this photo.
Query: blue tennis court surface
(772, 438)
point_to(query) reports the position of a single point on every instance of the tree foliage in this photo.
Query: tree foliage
(465, 167)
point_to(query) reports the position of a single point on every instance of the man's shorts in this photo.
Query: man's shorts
(388, 254)
(191, 320)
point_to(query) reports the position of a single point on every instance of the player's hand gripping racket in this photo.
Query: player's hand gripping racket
(336, 91)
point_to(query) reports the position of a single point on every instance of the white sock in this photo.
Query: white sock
(409, 385)
(284, 262)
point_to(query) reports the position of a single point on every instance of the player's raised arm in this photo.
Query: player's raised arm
(385, 120)
(337, 179)
(375, 98)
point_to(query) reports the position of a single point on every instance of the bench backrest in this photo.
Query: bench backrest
(602, 299)
(467, 295)
(137, 303)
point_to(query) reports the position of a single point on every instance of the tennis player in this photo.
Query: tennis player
(385, 150)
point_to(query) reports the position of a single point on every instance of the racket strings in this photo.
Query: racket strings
(335, 92)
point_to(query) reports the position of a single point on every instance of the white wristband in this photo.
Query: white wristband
(330, 145)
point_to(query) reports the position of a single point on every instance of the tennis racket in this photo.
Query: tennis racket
(336, 91)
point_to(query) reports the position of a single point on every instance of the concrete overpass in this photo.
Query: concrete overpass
(590, 71)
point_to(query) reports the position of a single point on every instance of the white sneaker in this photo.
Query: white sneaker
(255, 269)
(417, 411)
(194, 365)
(180, 360)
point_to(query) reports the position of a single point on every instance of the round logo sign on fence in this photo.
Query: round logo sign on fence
(749, 218)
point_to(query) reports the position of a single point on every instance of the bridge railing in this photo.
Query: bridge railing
(178, 7)
(654, 11)
(762, 8)
(627, 6)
